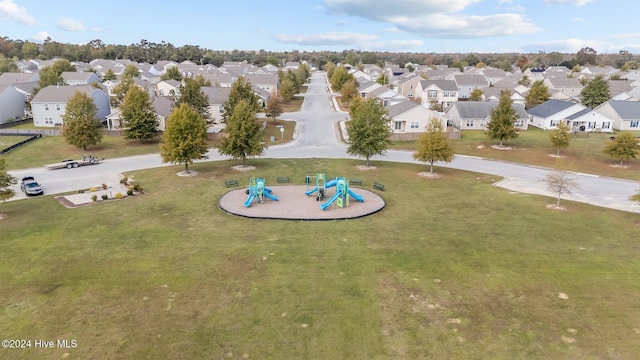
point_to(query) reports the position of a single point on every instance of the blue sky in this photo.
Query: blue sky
(438, 26)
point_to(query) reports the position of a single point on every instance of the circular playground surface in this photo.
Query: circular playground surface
(293, 204)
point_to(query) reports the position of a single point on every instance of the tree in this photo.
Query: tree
(185, 137)
(476, 95)
(560, 136)
(240, 90)
(433, 145)
(6, 180)
(138, 116)
(340, 76)
(635, 198)
(191, 94)
(586, 56)
(623, 147)
(130, 71)
(172, 73)
(274, 107)
(383, 79)
(595, 92)
(121, 89)
(522, 61)
(368, 129)
(538, 94)
(287, 90)
(526, 81)
(503, 117)
(50, 75)
(81, 128)
(561, 183)
(244, 134)
(330, 68)
(109, 75)
(349, 91)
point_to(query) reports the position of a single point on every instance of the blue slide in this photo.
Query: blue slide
(333, 198)
(355, 196)
(267, 193)
(249, 200)
(311, 191)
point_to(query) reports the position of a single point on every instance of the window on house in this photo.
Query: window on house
(415, 124)
(410, 94)
(518, 123)
(553, 123)
(58, 107)
(432, 94)
(634, 124)
(411, 87)
(606, 125)
(591, 125)
(397, 125)
(469, 123)
(46, 106)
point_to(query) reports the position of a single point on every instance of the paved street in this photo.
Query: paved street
(317, 137)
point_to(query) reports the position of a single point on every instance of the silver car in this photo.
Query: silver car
(30, 186)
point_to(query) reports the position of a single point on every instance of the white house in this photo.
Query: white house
(49, 104)
(549, 114)
(443, 92)
(475, 115)
(624, 115)
(168, 88)
(11, 103)
(409, 120)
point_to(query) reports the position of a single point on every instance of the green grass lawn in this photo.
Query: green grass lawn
(533, 146)
(452, 268)
(6, 141)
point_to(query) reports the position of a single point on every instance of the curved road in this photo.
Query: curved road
(317, 136)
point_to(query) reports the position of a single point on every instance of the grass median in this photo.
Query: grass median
(452, 268)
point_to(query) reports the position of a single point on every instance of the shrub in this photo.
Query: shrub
(129, 192)
(124, 180)
(137, 187)
(94, 197)
(118, 196)
(105, 196)
(93, 190)
(81, 191)
(104, 186)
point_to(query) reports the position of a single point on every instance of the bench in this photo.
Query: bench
(231, 183)
(355, 182)
(378, 186)
(282, 179)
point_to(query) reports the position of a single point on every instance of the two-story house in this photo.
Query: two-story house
(49, 104)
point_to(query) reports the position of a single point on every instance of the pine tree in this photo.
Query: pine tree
(503, 117)
(185, 137)
(81, 127)
(138, 117)
(244, 134)
(433, 145)
(368, 129)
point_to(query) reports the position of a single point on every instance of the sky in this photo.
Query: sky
(421, 26)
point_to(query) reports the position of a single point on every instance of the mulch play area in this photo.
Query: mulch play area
(293, 204)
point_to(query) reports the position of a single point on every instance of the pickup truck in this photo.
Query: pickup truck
(30, 186)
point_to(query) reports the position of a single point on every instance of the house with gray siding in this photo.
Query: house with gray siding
(49, 104)
(11, 104)
(475, 115)
(624, 115)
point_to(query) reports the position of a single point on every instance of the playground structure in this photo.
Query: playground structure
(258, 190)
(341, 196)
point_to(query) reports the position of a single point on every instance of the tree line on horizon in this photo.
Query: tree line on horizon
(151, 52)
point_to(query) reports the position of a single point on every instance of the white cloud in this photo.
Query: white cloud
(394, 45)
(564, 45)
(457, 27)
(10, 10)
(69, 24)
(391, 29)
(576, 2)
(435, 18)
(382, 10)
(41, 36)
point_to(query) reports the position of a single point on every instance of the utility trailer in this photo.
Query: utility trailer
(86, 160)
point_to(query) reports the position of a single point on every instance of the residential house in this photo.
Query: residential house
(549, 114)
(624, 115)
(12, 104)
(443, 92)
(217, 96)
(564, 88)
(407, 86)
(409, 120)
(168, 88)
(268, 82)
(467, 83)
(162, 106)
(493, 94)
(10, 78)
(219, 79)
(79, 78)
(475, 115)
(49, 104)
